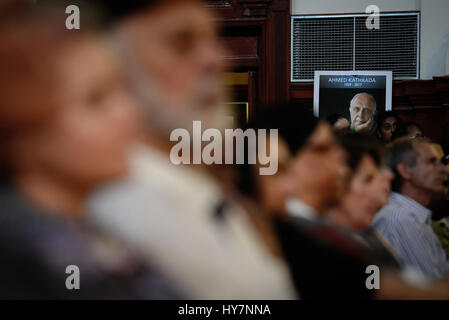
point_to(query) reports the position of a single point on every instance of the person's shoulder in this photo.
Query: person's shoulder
(11, 202)
(394, 218)
(392, 211)
(19, 219)
(322, 234)
(131, 207)
(127, 197)
(293, 232)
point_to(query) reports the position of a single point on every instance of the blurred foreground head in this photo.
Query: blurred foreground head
(339, 123)
(173, 59)
(64, 113)
(312, 165)
(368, 186)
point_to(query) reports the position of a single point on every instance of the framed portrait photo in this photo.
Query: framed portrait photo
(336, 91)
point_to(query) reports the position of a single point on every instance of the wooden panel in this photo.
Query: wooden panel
(243, 46)
(442, 89)
(218, 4)
(257, 34)
(433, 121)
(302, 91)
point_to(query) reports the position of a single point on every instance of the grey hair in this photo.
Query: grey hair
(354, 98)
(401, 151)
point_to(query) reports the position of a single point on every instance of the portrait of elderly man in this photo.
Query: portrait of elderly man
(362, 109)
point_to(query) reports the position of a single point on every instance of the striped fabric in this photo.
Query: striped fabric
(407, 226)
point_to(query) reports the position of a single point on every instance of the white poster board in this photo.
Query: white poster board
(333, 90)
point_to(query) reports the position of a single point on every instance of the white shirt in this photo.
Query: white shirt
(406, 225)
(166, 212)
(296, 208)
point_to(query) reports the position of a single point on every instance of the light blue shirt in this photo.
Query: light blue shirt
(406, 225)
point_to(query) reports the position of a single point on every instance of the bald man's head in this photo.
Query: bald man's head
(362, 109)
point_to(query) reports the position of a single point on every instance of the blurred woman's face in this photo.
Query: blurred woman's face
(273, 188)
(367, 192)
(85, 142)
(382, 186)
(321, 165)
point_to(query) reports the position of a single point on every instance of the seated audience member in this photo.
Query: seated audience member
(310, 242)
(389, 127)
(339, 123)
(178, 215)
(309, 180)
(65, 122)
(367, 190)
(405, 221)
(362, 109)
(413, 130)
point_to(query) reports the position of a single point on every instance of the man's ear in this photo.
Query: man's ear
(404, 170)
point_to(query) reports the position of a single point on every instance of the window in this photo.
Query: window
(343, 42)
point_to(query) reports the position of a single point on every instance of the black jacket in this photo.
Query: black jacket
(324, 262)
